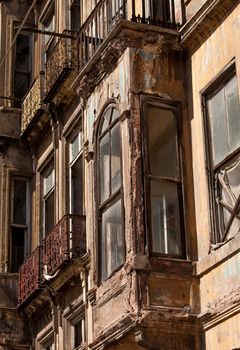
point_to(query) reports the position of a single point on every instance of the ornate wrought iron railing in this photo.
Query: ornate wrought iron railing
(32, 104)
(108, 13)
(30, 273)
(60, 63)
(65, 241)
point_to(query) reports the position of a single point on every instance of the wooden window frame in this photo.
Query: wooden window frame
(71, 317)
(13, 224)
(71, 161)
(159, 102)
(216, 85)
(48, 168)
(28, 72)
(113, 197)
(48, 12)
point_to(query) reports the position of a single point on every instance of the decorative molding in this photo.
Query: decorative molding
(221, 309)
(202, 24)
(116, 332)
(125, 35)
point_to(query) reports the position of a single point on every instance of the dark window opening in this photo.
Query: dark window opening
(22, 74)
(18, 223)
(49, 212)
(77, 187)
(19, 202)
(75, 15)
(76, 174)
(17, 240)
(78, 333)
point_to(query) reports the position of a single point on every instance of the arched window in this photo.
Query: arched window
(111, 236)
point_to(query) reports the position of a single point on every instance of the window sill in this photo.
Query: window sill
(217, 257)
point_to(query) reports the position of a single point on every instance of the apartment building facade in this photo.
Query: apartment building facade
(119, 161)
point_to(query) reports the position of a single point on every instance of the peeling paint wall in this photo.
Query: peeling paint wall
(218, 270)
(206, 63)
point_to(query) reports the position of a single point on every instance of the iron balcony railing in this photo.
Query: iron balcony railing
(60, 63)
(65, 241)
(108, 13)
(32, 104)
(30, 274)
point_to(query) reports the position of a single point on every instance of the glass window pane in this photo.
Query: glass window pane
(76, 146)
(21, 84)
(115, 114)
(23, 53)
(166, 238)
(49, 26)
(217, 114)
(48, 182)
(233, 112)
(162, 142)
(77, 187)
(115, 159)
(106, 120)
(19, 202)
(105, 167)
(49, 212)
(112, 245)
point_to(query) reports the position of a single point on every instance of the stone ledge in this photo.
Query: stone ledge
(125, 34)
(215, 258)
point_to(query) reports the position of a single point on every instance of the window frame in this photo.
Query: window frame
(71, 161)
(215, 86)
(45, 338)
(26, 226)
(113, 197)
(46, 171)
(174, 106)
(48, 45)
(71, 317)
(28, 73)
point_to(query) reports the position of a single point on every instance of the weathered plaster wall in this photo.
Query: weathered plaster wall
(225, 336)
(112, 302)
(206, 63)
(218, 271)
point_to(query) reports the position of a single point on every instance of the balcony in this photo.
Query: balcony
(108, 13)
(32, 105)
(60, 63)
(30, 274)
(64, 242)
